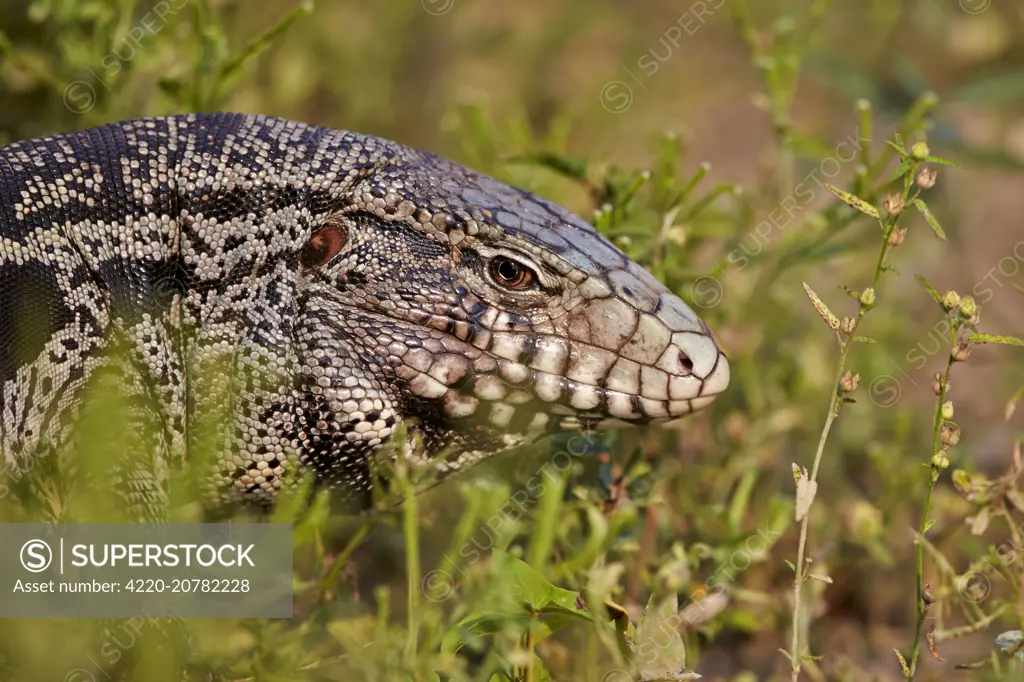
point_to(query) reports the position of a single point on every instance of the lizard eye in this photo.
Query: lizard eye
(323, 246)
(512, 274)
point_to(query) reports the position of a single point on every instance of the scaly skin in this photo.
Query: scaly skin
(348, 282)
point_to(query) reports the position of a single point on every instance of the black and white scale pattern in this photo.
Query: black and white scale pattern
(328, 284)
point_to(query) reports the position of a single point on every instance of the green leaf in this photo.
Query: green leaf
(479, 625)
(820, 306)
(528, 585)
(806, 146)
(353, 633)
(944, 162)
(521, 596)
(1011, 406)
(258, 45)
(659, 653)
(898, 147)
(699, 175)
(979, 522)
(856, 202)
(930, 218)
(996, 338)
(1000, 88)
(569, 166)
(864, 339)
(853, 293)
(994, 157)
(899, 171)
(931, 290)
(903, 663)
(173, 88)
(700, 204)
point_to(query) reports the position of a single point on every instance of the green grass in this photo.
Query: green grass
(634, 554)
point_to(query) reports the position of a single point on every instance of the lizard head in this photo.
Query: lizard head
(498, 315)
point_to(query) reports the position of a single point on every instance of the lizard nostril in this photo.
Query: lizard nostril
(686, 363)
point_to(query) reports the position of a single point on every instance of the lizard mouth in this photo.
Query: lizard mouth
(574, 402)
(523, 382)
(654, 374)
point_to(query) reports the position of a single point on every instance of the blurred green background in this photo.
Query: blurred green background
(573, 99)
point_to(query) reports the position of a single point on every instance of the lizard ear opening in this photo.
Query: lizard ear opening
(323, 246)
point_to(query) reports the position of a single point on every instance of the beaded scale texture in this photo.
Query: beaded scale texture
(329, 285)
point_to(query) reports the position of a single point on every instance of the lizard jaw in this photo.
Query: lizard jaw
(609, 360)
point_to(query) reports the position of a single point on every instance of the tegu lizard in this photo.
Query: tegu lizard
(348, 284)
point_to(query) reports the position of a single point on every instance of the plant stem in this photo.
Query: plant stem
(922, 608)
(787, 163)
(833, 412)
(530, 650)
(412, 550)
(835, 405)
(346, 554)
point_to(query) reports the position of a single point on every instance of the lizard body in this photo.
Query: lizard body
(345, 282)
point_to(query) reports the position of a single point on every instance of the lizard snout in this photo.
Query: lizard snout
(671, 372)
(642, 357)
(698, 371)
